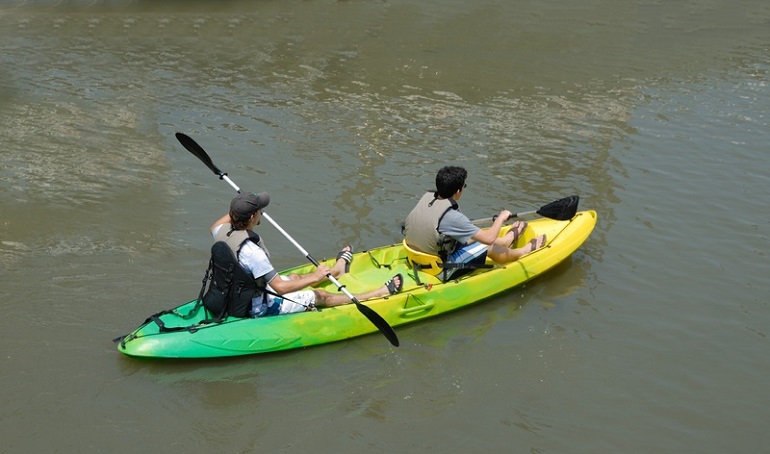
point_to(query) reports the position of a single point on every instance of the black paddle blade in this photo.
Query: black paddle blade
(193, 147)
(379, 322)
(561, 210)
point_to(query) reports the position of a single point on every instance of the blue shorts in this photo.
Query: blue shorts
(475, 252)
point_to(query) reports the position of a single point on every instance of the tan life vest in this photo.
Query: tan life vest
(236, 238)
(421, 226)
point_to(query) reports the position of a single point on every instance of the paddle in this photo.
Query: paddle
(561, 210)
(193, 147)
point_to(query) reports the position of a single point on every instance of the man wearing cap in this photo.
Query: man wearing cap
(285, 293)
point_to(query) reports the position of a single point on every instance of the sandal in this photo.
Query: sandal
(347, 256)
(532, 244)
(521, 226)
(394, 288)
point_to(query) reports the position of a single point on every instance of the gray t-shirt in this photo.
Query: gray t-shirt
(457, 226)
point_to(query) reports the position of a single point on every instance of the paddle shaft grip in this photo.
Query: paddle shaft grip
(514, 215)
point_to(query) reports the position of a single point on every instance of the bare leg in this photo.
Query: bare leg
(326, 299)
(503, 254)
(512, 235)
(505, 240)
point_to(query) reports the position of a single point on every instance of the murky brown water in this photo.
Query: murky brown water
(652, 338)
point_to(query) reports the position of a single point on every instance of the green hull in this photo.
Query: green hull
(369, 269)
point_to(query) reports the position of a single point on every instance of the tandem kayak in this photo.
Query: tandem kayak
(177, 333)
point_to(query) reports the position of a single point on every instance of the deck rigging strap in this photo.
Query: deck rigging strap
(384, 265)
(446, 267)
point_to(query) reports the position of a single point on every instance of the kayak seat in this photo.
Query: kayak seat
(428, 263)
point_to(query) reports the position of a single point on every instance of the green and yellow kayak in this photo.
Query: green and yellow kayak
(176, 333)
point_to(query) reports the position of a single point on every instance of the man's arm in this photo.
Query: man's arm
(488, 236)
(282, 286)
(223, 220)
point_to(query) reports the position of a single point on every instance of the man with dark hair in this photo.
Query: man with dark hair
(436, 226)
(284, 294)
